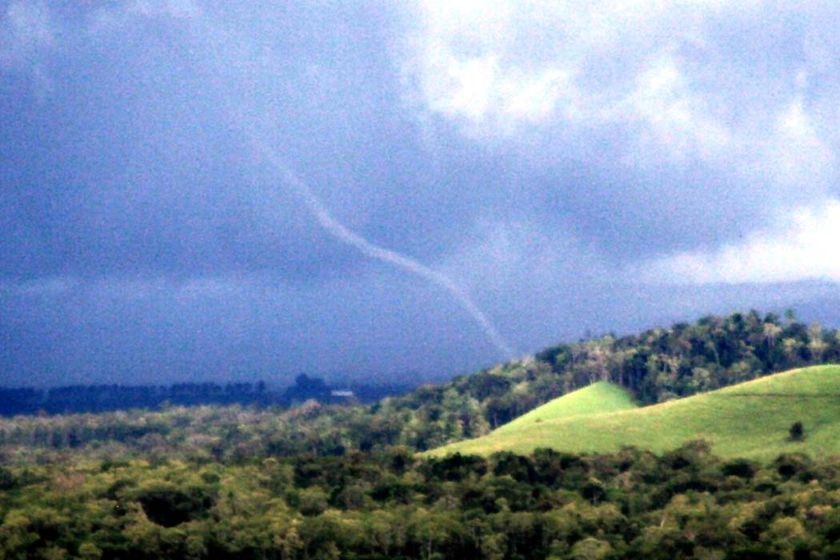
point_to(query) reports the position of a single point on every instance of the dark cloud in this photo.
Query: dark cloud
(540, 157)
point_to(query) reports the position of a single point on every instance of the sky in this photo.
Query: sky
(380, 191)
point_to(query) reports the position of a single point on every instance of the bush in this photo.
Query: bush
(797, 432)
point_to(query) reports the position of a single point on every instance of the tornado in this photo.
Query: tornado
(345, 235)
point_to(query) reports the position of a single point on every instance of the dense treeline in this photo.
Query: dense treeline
(662, 364)
(631, 504)
(102, 398)
(657, 365)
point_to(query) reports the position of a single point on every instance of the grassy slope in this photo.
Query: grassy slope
(600, 397)
(747, 420)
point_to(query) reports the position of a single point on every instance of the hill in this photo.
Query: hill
(750, 420)
(598, 398)
(655, 366)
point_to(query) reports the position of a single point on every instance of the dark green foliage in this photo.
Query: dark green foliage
(793, 464)
(515, 466)
(741, 468)
(455, 467)
(796, 432)
(7, 479)
(753, 551)
(593, 491)
(625, 505)
(168, 506)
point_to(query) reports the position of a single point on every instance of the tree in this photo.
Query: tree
(591, 548)
(797, 432)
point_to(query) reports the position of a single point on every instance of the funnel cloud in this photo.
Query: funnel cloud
(340, 232)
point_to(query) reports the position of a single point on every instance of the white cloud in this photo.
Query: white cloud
(466, 88)
(27, 32)
(456, 64)
(796, 153)
(29, 23)
(803, 247)
(25, 29)
(494, 67)
(171, 8)
(674, 120)
(109, 18)
(658, 73)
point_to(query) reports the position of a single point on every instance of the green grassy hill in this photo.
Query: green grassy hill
(747, 420)
(598, 398)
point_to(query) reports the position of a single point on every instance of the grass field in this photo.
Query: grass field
(747, 420)
(597, 398)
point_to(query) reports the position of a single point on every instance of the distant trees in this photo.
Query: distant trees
(103, 398)
(306, 388)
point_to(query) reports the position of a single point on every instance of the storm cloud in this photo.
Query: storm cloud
(569, 167)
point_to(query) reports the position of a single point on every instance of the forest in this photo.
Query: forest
(390, 504)
(320, 480)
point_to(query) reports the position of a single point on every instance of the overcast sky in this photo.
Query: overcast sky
(230, 191)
